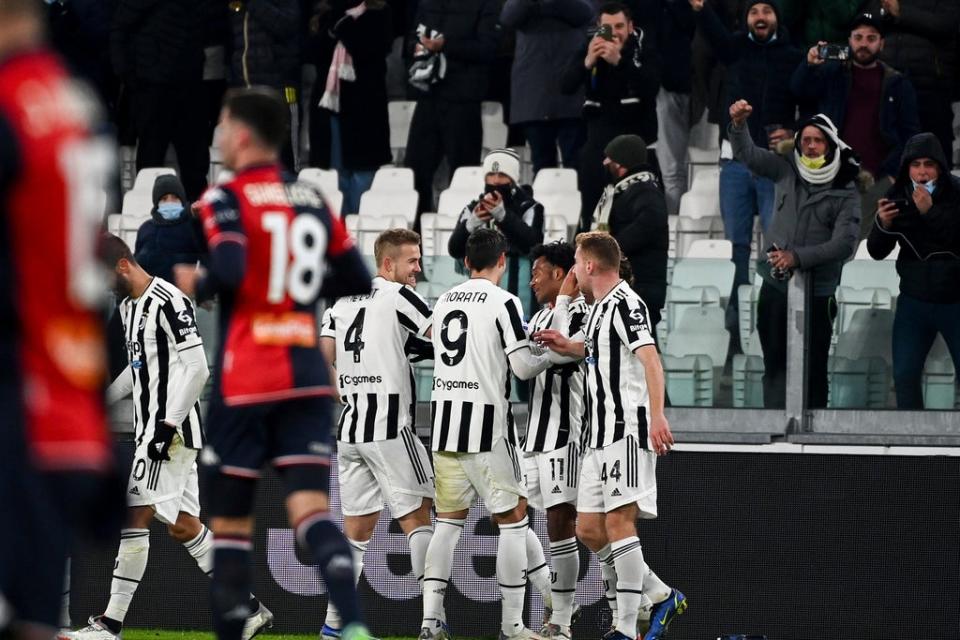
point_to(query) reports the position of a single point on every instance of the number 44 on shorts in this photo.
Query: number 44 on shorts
(614, 472)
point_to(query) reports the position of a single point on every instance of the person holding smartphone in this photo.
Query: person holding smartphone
(815, 228)
(921, 213)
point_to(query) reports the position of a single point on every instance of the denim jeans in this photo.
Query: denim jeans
(915, 327)
(742, 196)
(352, 184)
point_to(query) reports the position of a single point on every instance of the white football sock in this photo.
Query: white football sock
(609, 574)
(511, 566)
(436, 569)
(357, 550)
(628, 558)
(538, 571)
(201, 548)
(130, 564)
(419, 539)
(655, 588)
(65, 620)
(565, 558)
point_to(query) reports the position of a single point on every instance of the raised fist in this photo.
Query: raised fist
(740, 111)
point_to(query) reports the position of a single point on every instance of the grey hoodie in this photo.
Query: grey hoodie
(819, 223)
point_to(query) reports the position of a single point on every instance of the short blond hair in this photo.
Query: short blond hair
(392, 239)
(601, 247)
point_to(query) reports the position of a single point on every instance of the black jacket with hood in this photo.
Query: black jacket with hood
(929, 259)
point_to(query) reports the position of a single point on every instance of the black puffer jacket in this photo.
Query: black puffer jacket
(756, 72)
(929, 258)
(266, 44)
(638, 221)
(471, 34)
(619, 99)
(158, 41)
(922, 42)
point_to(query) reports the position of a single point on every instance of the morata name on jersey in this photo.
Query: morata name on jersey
(464, 296)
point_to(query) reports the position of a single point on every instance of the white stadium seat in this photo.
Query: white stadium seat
(701, 272)
(748, 374)
(859, 370)
(563, 204)
(452, 201)
(369, 227)
(863, 254)
(695, 356)
(392, 179)
(555, 181)
(690, 229)
(467, 179)
(699, 204)
(494, 128)
(324, 179)
(747, 297)
(706, 180)
(137, 203)
(396, 206)
(705, 248)
(400, 114)
(554, 229)
(148, 175)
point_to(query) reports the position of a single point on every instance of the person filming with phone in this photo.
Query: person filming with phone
(619, 71)
(873, 104)
(921, 213)
(814, 229)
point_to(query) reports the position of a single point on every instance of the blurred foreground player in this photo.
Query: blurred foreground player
(55, 453)
(275, 249)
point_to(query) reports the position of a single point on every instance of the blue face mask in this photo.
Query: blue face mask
(929, 186)
(169, 210)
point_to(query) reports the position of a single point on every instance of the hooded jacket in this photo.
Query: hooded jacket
(829, 84)
(820, 224)
(758, 72)
(161, 243)
(929, 258)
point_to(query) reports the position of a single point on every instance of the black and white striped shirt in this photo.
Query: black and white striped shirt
(476, 326)
(376, 337)
(556, 395)
(617, 399)
(159, 326)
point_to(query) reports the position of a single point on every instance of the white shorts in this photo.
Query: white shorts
(168, 486)
(493, 476)
(397, 471)
(551, 477)
(616, 475)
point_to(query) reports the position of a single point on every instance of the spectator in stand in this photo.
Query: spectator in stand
(172, 235)
(814, 229)
(506, 205)
(548, 35)
(634, 211)
(926, 224)
(463, 36)
(921, 41)
(349, 125)
(620, 69)
(157, 51)
(874, 105)
(266, 52)
(759, 63)
(677, 27)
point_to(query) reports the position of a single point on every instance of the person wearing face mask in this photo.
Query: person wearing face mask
(815, 228)
(171, 235)
(633, 209)
(921, 212)
(506, 205)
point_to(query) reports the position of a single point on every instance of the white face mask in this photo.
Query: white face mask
(929, 186)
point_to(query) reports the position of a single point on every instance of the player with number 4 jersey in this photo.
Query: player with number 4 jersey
(372, 340)
(275, 249)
